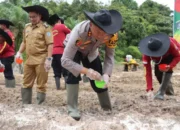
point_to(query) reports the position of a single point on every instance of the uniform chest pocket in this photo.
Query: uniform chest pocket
(38, 35)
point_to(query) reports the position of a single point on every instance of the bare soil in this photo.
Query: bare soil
(131, 109)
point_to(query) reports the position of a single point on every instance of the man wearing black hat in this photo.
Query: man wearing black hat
(165, 52)
(5, 24)
(7, 58)
(59, 34)
(9, 76)
(82, 46)
(37, 41)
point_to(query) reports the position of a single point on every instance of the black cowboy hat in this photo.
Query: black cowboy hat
(155, 45)
(53, 19)
(6, 22)
(38, 9)
(6, 37)
(110, 21)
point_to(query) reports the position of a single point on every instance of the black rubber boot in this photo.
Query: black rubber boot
(57, 81)
(125, 67)
(26, 94)
(170, 90)
(41, 97)
(104, 101)
(72, 101)
(10, 83)
(165, 81)
(65, 79)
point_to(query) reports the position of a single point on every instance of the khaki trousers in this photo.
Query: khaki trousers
(31, 72)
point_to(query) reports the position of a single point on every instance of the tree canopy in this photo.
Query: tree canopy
(138, 22)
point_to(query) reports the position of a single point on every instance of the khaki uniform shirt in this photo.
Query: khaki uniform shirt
(36, 39)
(79, 40)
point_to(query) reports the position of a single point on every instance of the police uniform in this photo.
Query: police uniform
(80, 42)
(36, 39)
(82, 47)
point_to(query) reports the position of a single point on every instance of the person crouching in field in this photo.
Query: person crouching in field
(82, 46)
(7, 58)
(165, 52)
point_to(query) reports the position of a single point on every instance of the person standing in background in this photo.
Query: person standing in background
(7, 54)
(38, 43)
(59, 34)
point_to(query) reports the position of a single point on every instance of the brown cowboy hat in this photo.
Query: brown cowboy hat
(6, 22)
(6, 37)
(110, 21)
(38, 9)
(54, 18)
(155, 45)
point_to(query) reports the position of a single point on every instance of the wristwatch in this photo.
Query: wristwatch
(49, 58)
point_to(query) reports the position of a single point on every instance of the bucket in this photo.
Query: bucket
(19, 60)
(100, 84)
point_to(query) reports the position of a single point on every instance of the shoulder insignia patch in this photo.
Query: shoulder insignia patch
(112, 43)
(46, 25)
(48, 34)
(28, 24)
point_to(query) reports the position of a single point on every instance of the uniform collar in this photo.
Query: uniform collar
(37, 25)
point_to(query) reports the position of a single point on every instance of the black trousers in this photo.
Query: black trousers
(159, 73)
(95, 65)
(57, 68)
(8, 72)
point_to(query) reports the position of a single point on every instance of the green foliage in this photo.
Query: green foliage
(134, 51)
(119, 55)
(131, 4)
(138, 22)
(70, 22)
(18, 17)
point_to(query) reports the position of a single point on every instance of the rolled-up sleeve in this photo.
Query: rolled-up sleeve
(70, 52)
(109, 61)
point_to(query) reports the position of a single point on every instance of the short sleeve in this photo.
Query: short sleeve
(48, 36)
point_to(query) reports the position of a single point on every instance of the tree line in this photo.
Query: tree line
(138, 22)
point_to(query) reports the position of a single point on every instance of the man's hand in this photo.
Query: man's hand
(164, 67)
(18, 55)
(2, 67)
(47, 64)
(106, 78)
(150, 95)
(93, 75)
